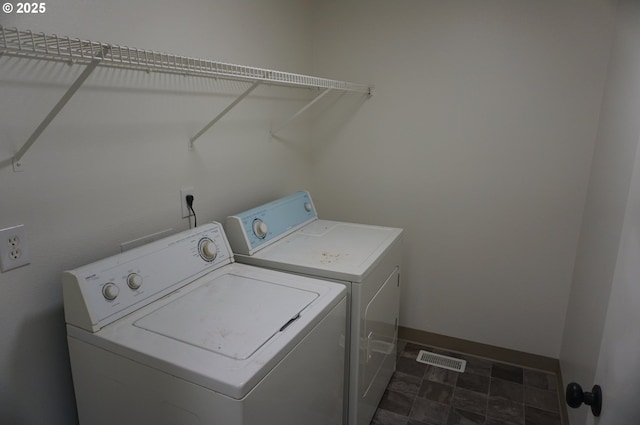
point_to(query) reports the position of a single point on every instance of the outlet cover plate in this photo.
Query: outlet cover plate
(14, 252)
(183, 200)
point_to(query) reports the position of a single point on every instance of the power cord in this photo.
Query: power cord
(189, 199)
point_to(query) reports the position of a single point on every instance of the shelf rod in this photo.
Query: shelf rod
(27, 44)
(301, 111)
(224, 112)
(56, 109)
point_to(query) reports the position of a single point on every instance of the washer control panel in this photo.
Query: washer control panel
(256, 228)
(101, 292)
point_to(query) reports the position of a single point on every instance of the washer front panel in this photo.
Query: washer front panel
(163, 349)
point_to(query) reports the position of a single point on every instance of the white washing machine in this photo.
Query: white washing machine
(176, 333)
(287, 235)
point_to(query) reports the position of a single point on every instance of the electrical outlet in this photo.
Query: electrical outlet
(13, 248)
(186, 212)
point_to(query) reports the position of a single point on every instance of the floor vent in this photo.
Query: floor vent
(439, 360)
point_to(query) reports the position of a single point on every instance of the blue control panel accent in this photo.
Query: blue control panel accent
(280, 216)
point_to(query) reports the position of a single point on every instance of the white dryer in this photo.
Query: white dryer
(174, 332)
(287, 235)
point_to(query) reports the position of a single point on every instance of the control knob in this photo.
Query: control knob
(134, 280)
(110, 291)
(260, 228)
(207, 249)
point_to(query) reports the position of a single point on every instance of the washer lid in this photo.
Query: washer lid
(231, 315)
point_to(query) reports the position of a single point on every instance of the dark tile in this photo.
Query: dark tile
(401, 346)
(460, 417)
(436, 391)
(441, 375)
(539, 379)
(507, 372)
(493, 421)
(404, 383)
(505, 410)
(476, 365)
(470, 401)
(410, 366)
(414, 422)
(395, 402)
(429, 412)
(488, 393)
(384, 417)
(535, 416)
(473, 382)
(507, 390)
(542, 399)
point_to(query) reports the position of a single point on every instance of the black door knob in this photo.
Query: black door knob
(575, 397)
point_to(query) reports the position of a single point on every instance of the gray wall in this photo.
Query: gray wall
(478, 142)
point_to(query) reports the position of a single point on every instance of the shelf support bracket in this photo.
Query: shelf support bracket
(300, 112)
(17, 164)
(223, 113)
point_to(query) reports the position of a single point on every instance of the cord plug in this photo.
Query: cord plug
(189, 199)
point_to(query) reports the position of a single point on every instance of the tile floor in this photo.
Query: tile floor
(487, 393)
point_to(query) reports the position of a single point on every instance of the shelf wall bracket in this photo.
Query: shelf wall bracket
(17, 164)
(224, 112)
(300, 112)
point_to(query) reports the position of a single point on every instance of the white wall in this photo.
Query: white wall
(608, 240)
(618, 365)
(477, 142)
(110, 166)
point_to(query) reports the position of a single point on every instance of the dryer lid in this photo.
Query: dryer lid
(231, 315)
(329, 249)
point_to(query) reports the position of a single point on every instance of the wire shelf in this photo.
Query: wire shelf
(27, 44)
(30, 45)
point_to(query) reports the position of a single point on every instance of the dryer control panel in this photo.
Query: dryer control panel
(252, 230)
(101, 292)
